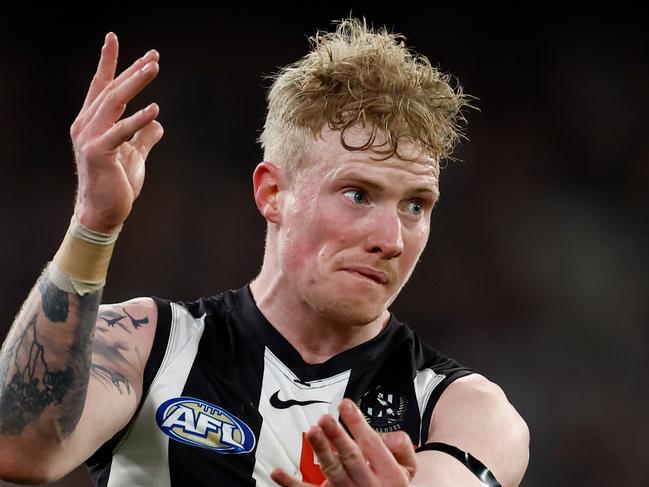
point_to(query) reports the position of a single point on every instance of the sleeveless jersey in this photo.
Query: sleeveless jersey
(227, 398)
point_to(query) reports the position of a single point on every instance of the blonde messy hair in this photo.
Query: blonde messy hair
(356, 75)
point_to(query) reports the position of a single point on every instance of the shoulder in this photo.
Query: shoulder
(145, 303)
(125, 333)
(137, 314)
(475, 415)
(427, 359)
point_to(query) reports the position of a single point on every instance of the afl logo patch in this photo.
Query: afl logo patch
(199, 423)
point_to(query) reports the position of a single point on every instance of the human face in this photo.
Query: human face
(353, 228)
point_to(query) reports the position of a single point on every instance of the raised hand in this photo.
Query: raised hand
(110, 153)
(369, 459)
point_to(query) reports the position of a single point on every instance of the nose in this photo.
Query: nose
(386, 234)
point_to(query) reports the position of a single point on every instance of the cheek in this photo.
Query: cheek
(314, 234)
(417, 240)
(333, 229)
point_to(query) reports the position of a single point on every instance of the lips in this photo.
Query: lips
(379, 277)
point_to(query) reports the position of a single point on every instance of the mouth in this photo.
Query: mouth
(375, 276)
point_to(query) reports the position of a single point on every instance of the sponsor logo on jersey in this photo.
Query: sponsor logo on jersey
(277, 403)
(199, 423)
(383, 410)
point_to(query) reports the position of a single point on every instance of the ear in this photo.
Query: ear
(268, 181)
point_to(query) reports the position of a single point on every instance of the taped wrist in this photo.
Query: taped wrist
(81, 263)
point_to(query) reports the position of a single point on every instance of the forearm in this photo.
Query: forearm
(45, 364)
(45, 360)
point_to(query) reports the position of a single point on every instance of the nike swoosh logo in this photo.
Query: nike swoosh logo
(277, 403)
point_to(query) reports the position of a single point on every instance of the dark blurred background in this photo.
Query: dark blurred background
(537, 271)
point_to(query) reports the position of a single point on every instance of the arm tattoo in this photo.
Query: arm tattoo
(112, 318)
(111, 353)
(55, 301)
(33, 386)
(109, 376)
(45, 360)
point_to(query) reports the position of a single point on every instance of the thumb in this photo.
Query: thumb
(401, 447)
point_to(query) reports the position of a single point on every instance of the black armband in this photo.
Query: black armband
(469, 461)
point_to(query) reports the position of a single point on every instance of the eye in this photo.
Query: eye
(416, 207)
(357, 196)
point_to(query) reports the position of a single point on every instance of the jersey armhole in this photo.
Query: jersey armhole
(434, 397)
(98, 463)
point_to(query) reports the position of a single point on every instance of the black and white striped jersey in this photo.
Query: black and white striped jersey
(227, 398)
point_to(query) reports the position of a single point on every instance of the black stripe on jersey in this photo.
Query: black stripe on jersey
(163, 328)
(391, 376)
(228, 370)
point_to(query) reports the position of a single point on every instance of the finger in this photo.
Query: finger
(148, 136)
(368, 440)
(85, 117)
(134, 158)
(331, 464)
(401, 447)
(114, 103)
(127, 128)
(350, 462)
(105, 70)
(284, 479)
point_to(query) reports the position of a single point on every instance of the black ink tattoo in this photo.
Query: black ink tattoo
(107, 375)
(113, 318)
(137, 323)
(79, 360)
(55, 301)
(111, 352)
(33, 387)
(28, 383)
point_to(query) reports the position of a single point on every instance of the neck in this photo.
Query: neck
(314, 337)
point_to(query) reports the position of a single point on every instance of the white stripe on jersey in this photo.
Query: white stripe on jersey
(142, 456)
(280, 438)
(425, 382)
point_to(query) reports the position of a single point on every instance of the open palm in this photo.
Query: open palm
(111, 152)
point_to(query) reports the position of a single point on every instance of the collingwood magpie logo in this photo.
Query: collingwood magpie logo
(199, 423)
(384, 411)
